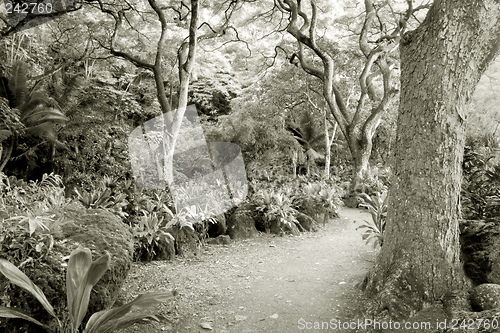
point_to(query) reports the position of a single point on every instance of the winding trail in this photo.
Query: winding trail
(266, 284)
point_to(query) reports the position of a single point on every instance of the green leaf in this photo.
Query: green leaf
(105, 321)
(44, 115)
(18, 278)
(4, 134)
(12, 313)
(126, 321)
(81, 277)
(18, 83)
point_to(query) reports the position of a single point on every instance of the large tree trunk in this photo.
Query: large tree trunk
(441, 63)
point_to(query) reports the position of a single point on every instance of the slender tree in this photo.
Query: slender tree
(441, 63)
(186, 16)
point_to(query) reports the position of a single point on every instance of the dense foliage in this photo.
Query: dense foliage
(481, 174)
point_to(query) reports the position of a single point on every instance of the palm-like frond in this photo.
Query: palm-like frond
(44, 130)
(4, 134)
(377, 206)
(18, 84)
(309, 134)
(35, 100)
(44, 114)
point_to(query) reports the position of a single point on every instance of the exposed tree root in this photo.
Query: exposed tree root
(397, 295)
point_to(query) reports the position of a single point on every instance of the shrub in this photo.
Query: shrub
(149, 236)
(103, 196)
(82, 274)
(276, 207)
(19, 197)
(314, 198)
(377, 206)
(371, 184)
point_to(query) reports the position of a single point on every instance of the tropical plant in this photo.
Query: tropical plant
(96, 198)
(370, 183)
(305, 198)
(103, 197)
(329, 200)
(35, 220)
(480, 196)
(18, 244)
(310, 136)
(377, 206)
(10, 125)
(82, 274)
(39, 114)
(149, 234)
(31, 201)
(276, 206)
(315, 198)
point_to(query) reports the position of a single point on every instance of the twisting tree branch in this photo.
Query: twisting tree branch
(357, 131)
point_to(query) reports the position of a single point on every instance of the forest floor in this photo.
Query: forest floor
(265, 284)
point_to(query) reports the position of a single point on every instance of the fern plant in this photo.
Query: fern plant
(10, 127)
(39, 114)
(377, 206)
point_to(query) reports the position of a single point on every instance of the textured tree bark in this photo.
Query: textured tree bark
(328, 144)
(441, 64)
(186, 58)
(360, 150)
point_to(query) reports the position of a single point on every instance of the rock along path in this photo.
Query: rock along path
(266, 284)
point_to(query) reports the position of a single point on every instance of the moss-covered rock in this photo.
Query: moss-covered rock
(279, 226)
(241, 224)
(98, 230)
(306, 222)
(485, 297)
(218, 227)
(162, 249)
(220, 240)
(186, 241)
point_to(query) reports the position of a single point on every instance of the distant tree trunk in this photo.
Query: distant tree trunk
(328, 143)
(307, 163)
(187, 54)
(441, 64)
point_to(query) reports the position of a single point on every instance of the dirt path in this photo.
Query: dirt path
(266, 284)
